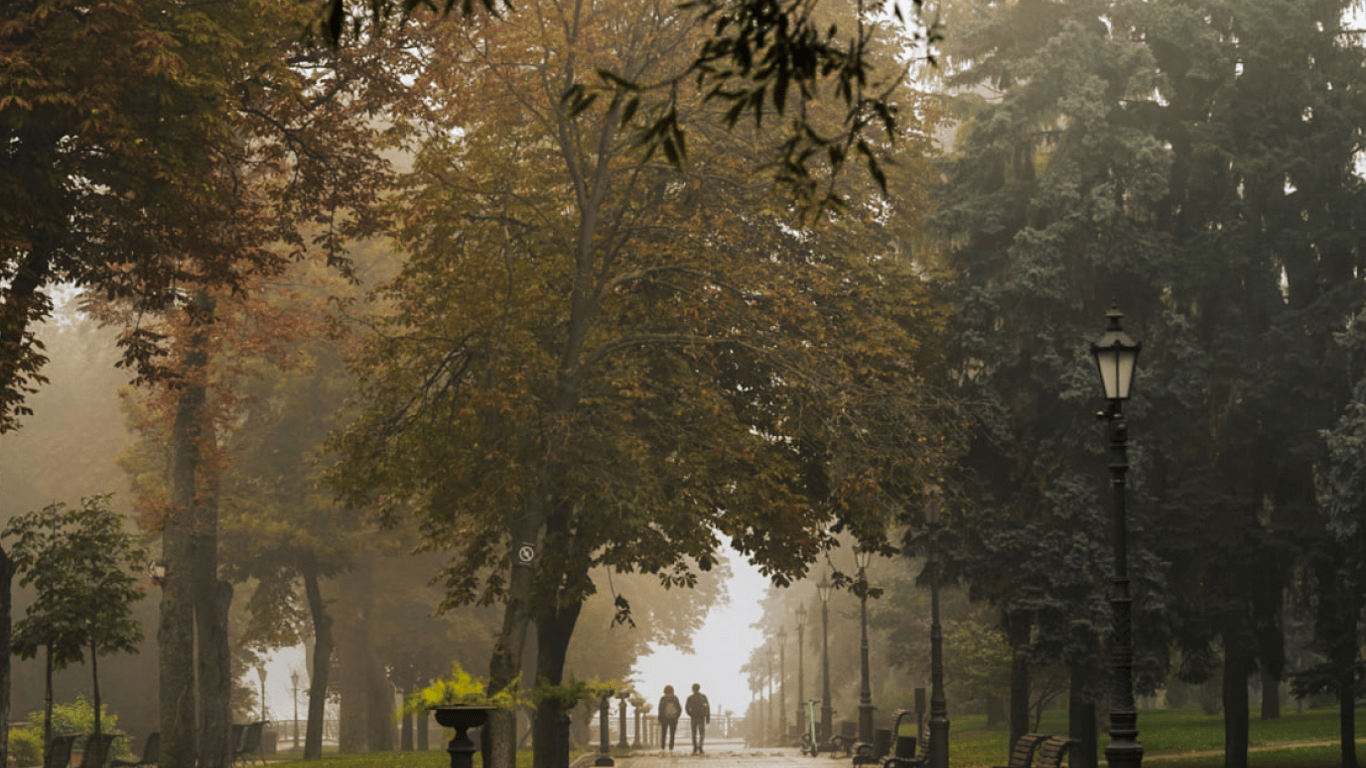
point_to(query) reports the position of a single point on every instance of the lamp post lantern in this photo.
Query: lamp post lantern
(801, 669)
(782, 686)
(827, 714)
(1116, 355)
(862, 558)
(939, 710)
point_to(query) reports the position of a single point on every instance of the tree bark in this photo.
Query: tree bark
(1271, 696)
(366, 696)
(175, 632)
(1237, 669)
(1346, 655)
(215, 673)
(1347, 726)
(6, 626)
(553, 632)
(322, 661)
(95, 682)
(379, 706)
(1018, 632)
(1081, 718)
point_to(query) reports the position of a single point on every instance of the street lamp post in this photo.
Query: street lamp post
(294, 686)
(261, 673)
(623, 743)
(939, 710)
(801, 667)
(863, 557)
(604, 759)
(782, 686)
(827, 714)
(1116, 355)
(768, 711)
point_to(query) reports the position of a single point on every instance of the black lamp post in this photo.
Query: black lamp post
(604, 758)
(862, 558)
(801, 667)
(827, 714)
(261, 672)
(294, 685)
(1116, 355)
(782, 686)
(637, 701)
(768, 711)
(623, 743)
(939, 710)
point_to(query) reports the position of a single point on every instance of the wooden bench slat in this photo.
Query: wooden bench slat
(1052, 752)
(1022, 754)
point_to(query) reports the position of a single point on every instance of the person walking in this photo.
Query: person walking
(669, 711)
(699, 712)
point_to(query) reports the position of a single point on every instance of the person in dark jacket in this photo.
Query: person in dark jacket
(669, 712)
(699, 712)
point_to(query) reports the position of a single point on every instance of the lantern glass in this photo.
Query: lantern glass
(1116, 358)
(863, 557)
(823, 588)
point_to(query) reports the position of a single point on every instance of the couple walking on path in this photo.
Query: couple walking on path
(699, 714)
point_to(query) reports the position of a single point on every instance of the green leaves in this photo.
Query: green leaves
(81, 563)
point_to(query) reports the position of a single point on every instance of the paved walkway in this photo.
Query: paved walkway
(722, 754)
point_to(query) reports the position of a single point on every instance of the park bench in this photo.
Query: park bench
(58, 754)
(904, 747)
(97, 746)
(247, 747)
(151, 752)
(1052, 751)
(1022, 754)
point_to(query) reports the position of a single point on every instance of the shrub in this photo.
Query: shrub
(26, 744)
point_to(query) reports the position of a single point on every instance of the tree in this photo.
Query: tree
(614, 364)
(1146, 153)
(760, 58)
(81, 562)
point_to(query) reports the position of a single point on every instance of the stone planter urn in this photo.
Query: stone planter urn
(461, 718)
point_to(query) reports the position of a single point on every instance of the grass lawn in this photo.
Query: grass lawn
(1172, 732)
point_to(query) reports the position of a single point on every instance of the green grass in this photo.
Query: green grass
(1173, 731)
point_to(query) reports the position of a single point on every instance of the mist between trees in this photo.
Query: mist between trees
(477, 338)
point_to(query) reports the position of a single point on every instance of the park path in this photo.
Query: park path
(736, 755)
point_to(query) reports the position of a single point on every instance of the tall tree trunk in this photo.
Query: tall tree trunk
(215, 675)
(355, 660)
(95, 681)
(322, 661)
(405, 739)
(175, 632)
(1018, 633)
(1081, 717)
(1237, 669)
(1347, 727)
(550, 745)
(1271, 696)
(47, 698)
(6, 628)
(1347, 655)
(379, 708)
(505, 666)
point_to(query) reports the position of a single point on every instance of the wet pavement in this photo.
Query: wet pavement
(721, 754)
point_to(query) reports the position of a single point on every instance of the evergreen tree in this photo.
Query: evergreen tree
(1194, 162)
